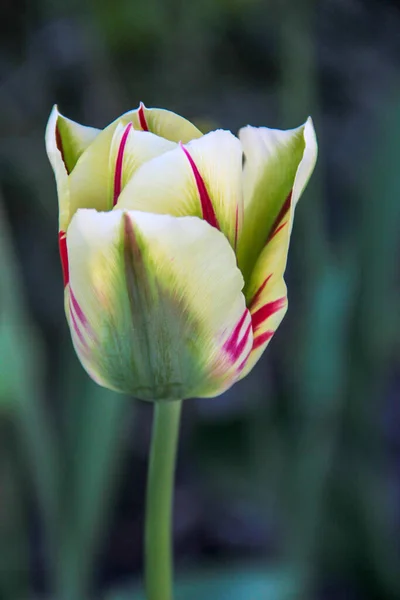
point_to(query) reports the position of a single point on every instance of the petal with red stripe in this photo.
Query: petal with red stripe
(266, 294)
(166, 124)
(202, 178)
(156, 307)
(65, 143)
(92, 179)
(278, 165)
(129, 150)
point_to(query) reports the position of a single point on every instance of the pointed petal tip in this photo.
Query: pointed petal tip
(310, 136)
(53, 117)
(54, 146)
(142, 117)
(307, 127)
(51, 124)
(54, 110)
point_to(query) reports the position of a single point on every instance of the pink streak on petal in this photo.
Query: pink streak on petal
(266, 311)
(282, 213)
(232, 341)
(62, 245)
(242, 344)
(205, 200)
(142, 118)
(119, 164)
(79, 312)
(233, 346)
(262, 339)
(260, 290)
(242, 365)
(76, 329)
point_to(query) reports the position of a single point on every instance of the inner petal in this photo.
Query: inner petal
(207, 207)
(119, 163)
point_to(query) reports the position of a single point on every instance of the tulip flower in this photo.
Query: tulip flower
(174, 246)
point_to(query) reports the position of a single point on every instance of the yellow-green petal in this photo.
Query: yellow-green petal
(156, 305)
(266, 294)
(202, 178)
(65, 143)
(129, 150)
(273, 160)
(91, 179)
(74, 139)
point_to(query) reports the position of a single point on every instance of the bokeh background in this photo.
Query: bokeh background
(288, 486)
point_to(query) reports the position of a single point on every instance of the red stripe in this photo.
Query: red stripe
(242, 365)
(262, 339)
(233, 346)
(242, 344)
(236, 332)
(119, 164)
(142, 118)
(260, 290)
(79, 312)
(76, 328)
(205, 200)
(273, 234)
(62, 245)
(266, 311)
(282, 213)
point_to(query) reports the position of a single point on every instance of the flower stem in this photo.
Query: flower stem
(160, 486)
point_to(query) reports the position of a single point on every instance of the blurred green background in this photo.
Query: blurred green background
(288, 486)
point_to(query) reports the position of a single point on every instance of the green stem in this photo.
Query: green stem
(160, 486)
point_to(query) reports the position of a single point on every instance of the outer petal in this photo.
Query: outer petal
(65, 142)
(60, 171)
(90, 179)
(266, 294)
(156, 306)
(73, 139)
(273, 160)
(203, 178)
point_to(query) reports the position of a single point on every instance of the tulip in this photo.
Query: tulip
(173, 246)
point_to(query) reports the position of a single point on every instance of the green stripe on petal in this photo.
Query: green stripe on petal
(202, 178)
(157, 309)
(274, 159)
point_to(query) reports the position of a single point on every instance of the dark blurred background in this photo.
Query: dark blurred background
(288, 486)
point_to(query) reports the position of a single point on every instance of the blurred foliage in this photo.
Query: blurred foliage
(288, 486)
(244, 582)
